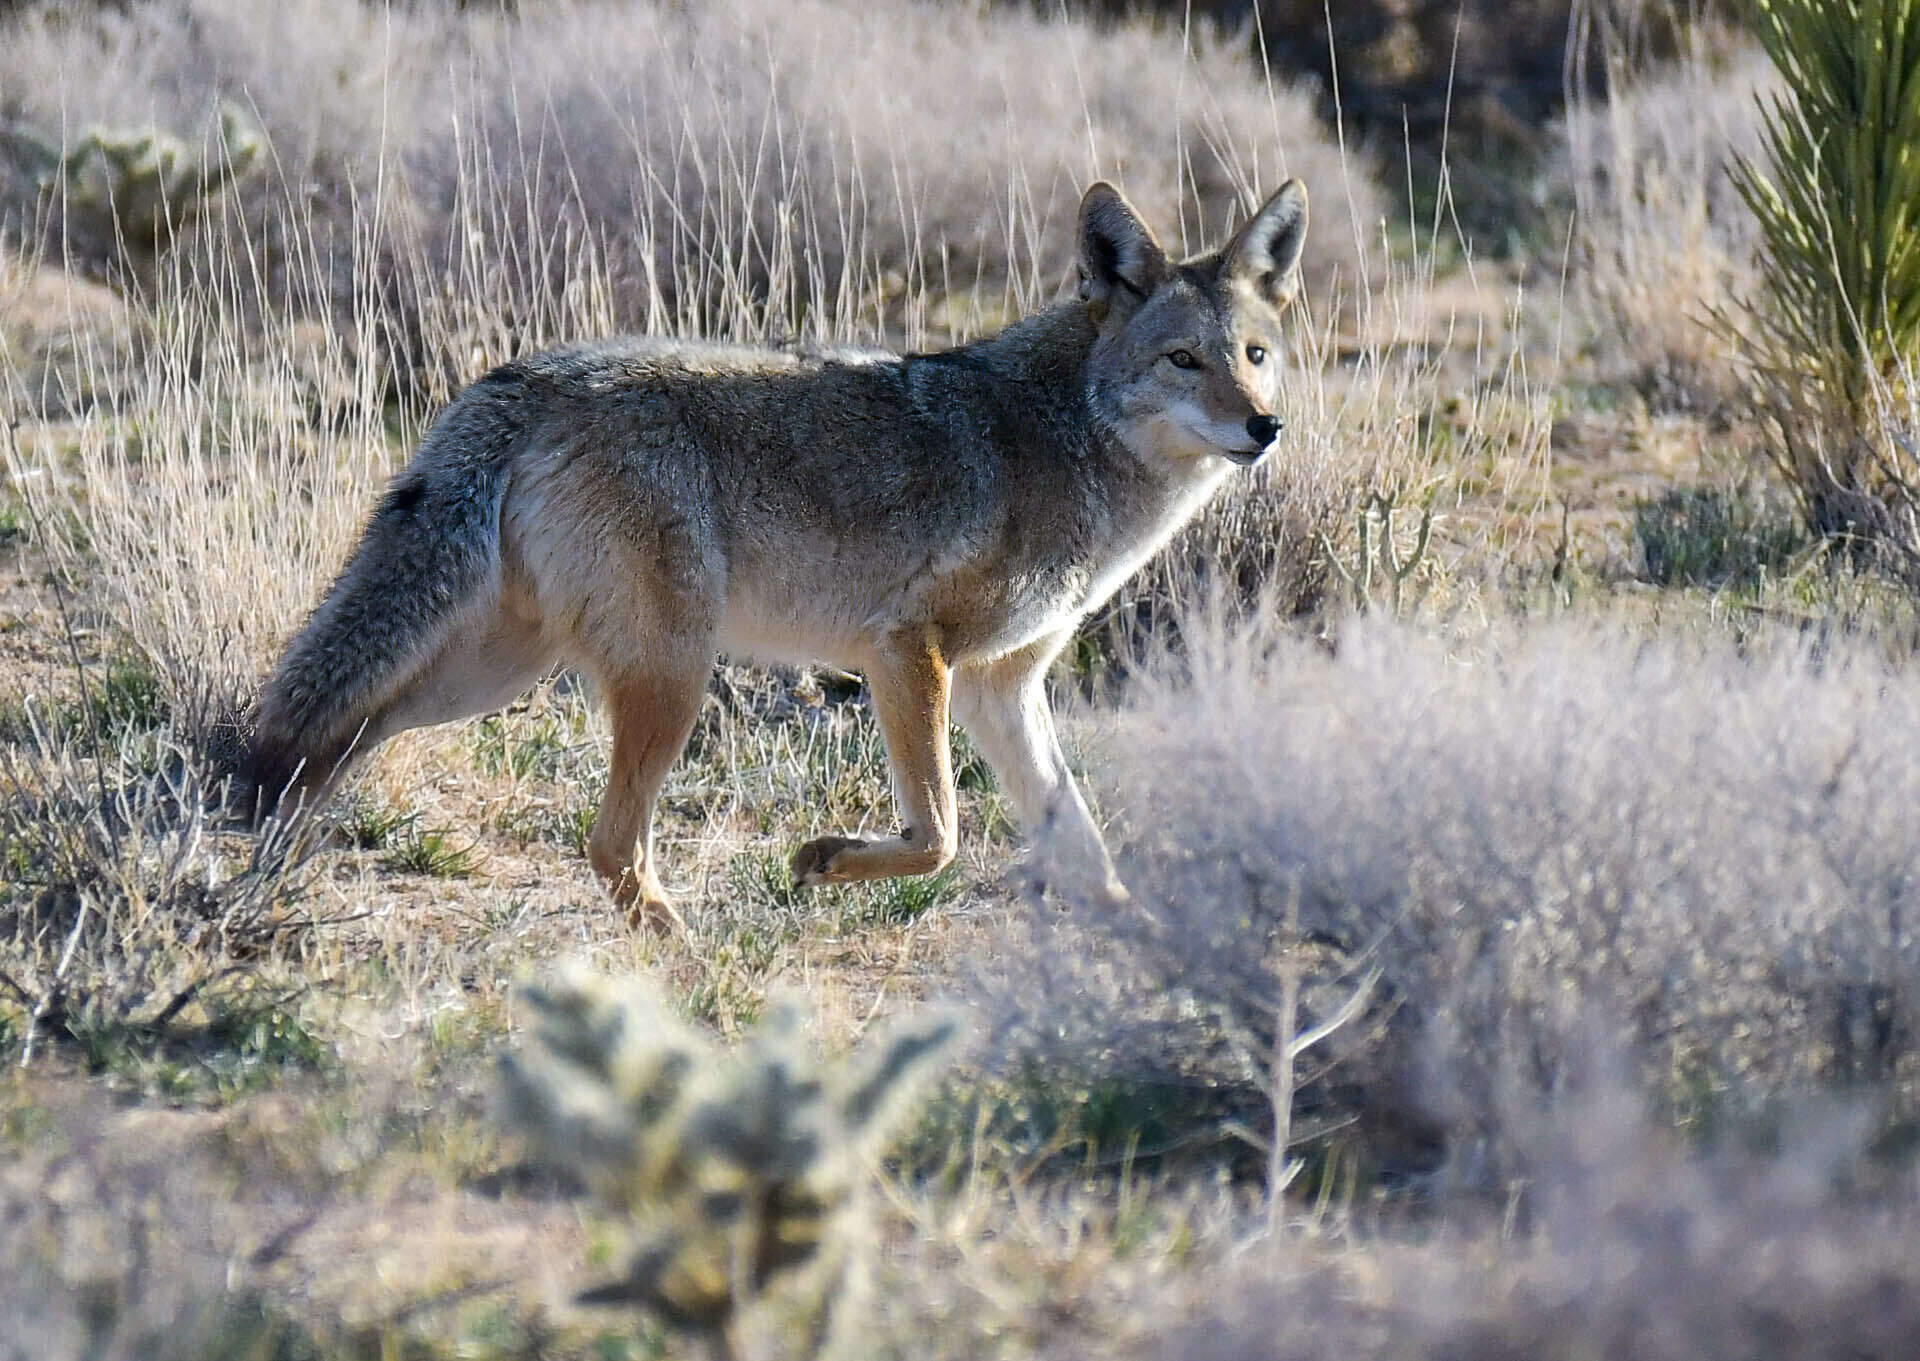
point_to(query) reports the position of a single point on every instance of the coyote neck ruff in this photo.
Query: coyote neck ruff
(940, 522)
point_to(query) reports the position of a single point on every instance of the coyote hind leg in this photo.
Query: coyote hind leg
(653, 714)
(483, 667)
(910, 685)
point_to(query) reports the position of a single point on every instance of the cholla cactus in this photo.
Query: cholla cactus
(140, 185)
(734, 1170)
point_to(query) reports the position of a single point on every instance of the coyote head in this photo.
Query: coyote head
(1185, 365)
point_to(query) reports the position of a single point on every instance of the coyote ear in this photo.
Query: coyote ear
(1266, 252)
(1118, 254)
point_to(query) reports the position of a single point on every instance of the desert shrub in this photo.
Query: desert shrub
(1624, 1245)
(209, 502)
(1528, 835)
(128, 898)
(320, 102)
(1835, 331)
(1464, 89)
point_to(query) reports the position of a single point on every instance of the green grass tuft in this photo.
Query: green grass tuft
(370, 824)
(235, 1043)
(1704, 536)
(431, 851)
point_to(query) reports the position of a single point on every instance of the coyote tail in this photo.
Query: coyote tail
(428, 558)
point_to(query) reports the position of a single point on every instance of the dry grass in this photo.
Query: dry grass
(1663, 238)
(1679, 839)
(754, 169)
(868, 196)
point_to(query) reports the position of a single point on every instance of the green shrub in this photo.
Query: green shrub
(137, 186)
(1705, 536)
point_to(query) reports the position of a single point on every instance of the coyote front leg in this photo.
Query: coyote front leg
(1003, 706)
(909, 682)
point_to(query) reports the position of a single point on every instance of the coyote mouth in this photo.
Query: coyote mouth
(1245, 458)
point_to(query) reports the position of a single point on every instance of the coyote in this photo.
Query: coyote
(938, 522)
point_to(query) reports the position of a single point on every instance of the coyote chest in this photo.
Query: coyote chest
(1047, 573)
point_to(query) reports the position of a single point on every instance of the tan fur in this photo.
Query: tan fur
(941, 523)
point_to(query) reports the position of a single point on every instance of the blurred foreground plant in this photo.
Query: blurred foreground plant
(734, 1171)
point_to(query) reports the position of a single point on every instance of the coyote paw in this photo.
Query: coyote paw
(1103, 895)
(813, 863)
(643, 900)
(656, 914)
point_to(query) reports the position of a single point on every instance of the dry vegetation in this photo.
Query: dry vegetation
(1507, 739)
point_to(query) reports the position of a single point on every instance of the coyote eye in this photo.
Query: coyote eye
(1183, 359)
(1256, 354)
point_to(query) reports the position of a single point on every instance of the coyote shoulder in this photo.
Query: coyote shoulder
(940, 523)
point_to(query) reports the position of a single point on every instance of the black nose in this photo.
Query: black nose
(1263, 428)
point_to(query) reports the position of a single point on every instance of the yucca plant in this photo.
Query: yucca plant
(1835, 334)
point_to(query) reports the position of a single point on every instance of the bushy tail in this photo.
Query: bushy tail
(428, 558)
